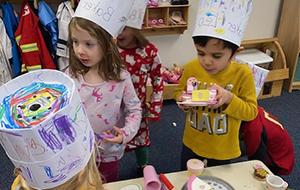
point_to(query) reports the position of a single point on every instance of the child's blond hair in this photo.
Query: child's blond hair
(89, 178)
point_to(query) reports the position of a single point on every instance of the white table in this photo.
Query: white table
(239, 175)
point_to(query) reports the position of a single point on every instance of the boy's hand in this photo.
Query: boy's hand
(181, 106)
(117, 135)
(223, 96)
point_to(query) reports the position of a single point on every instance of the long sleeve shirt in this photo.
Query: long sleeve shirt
(143, 63)
(109, 104)
(213, 133)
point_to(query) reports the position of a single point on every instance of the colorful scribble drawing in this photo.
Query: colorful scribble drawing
(44, 128)
(61, 132)
(31, 105)
(61, 172)
(65, 129)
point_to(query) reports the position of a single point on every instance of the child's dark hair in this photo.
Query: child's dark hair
(202, 41)
(140, 39)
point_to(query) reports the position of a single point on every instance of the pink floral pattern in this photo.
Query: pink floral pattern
(111, 104)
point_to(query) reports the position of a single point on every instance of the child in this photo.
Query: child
(142, 61)
(46, 133)
(88, 178)
(212, 132)
(266, 139)
(105, 88)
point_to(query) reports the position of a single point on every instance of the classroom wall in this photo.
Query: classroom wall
(179, 49)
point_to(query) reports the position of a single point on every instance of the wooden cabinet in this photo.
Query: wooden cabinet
(166, 19)
(289, 38)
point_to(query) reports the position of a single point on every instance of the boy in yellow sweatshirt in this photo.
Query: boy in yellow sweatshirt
(212, 132)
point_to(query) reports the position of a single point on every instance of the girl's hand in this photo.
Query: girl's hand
(223, 96)
(115, 135)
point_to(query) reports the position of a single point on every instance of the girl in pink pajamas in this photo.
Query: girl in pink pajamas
(106, 91)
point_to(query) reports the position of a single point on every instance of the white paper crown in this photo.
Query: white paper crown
(223, 19)
(137, 13)
(44, 128)
(111, 15)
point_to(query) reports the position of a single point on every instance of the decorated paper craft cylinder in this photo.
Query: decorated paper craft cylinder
(194, 167)
(44, 128)
(223, 19)
(151, 180)
(110, 15)
(137, 13)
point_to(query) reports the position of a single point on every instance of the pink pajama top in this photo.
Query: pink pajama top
(109, 104)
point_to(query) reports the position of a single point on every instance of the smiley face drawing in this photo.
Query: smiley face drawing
(31, 105)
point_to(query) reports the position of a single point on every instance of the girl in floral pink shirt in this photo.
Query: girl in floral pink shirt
(106, 91)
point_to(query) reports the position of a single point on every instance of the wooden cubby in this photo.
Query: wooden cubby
(278, 71)
(289, 38)
(164, 12)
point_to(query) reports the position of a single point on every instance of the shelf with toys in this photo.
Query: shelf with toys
(165, 19)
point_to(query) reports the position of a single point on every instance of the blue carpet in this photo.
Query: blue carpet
(166, 139)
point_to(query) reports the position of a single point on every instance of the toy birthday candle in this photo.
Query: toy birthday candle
(223, 19)
(44, 129)
(110, 15)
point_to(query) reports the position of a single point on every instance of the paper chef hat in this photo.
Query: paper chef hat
(111, 15)
(137, 13)
(223, 19)
(44, 128)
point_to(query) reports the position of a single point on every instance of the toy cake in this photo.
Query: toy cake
(198, 97)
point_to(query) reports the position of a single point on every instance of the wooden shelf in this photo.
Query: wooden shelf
(164, 30)
(289, 38)
(164, 14)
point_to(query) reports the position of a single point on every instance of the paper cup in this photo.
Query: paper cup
(274, 182)
(194, 167)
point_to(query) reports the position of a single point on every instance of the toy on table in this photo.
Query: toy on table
(195, 167)
(197, 97)
(194, 183)
(260, 173)
(166, 182)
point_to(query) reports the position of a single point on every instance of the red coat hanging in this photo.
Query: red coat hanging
(33, 50)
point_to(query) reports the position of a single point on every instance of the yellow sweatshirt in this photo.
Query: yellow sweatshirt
(214, 133)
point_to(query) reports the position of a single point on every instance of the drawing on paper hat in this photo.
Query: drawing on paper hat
(137, 13)
(223, 19)
(44, 128)
(111, 15)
